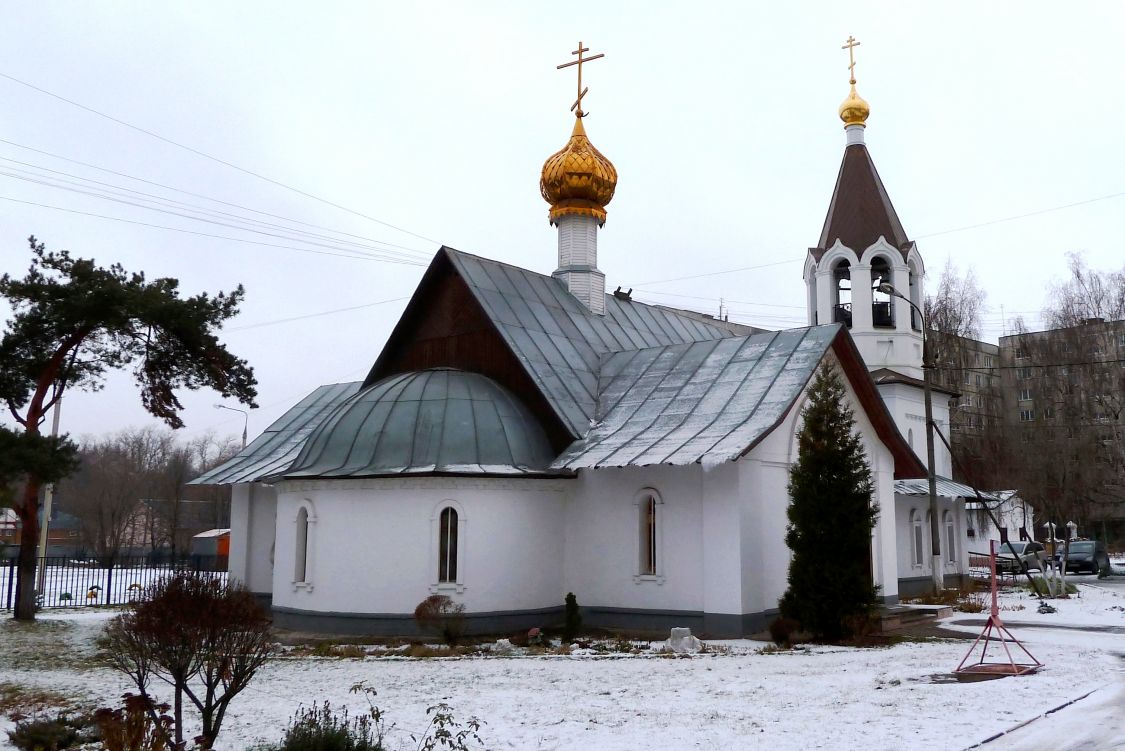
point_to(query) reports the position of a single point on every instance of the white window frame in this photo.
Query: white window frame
(917, 539)
(1027, 415)
(1025, 395)
(458, 584)
(950, 539)
(304, 546)
(644, 536)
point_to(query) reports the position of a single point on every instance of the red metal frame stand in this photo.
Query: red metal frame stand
(995, 630)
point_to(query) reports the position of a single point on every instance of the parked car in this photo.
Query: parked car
(1025, 551)
(1085, 555)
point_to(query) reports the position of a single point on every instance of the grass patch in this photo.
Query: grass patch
(425, 651)
(18, 700)
(343, 651)
(968, 599)
(1041, 586)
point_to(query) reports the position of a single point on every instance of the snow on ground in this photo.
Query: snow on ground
(824, 697)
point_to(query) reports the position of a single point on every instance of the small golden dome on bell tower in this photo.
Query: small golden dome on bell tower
(854, 110)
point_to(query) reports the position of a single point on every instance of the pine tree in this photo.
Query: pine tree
(831, 514)
(73, 321)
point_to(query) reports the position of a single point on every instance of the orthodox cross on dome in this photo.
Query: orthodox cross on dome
(850, 46)
(576, 108)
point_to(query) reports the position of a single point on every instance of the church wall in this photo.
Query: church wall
(885, 541)
(765, 475)
(252, 528)
(238, 559)
(907, 406)
(603, 555)
(917, 579)
(372, 551)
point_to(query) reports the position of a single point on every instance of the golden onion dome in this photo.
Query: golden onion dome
(578, 179)
(854, 110)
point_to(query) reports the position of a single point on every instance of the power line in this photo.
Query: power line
(384, 255)
(991, 222)
(204, 234)
(216, 159)
(716, 299)
(313, 315)
(717, 273)
(989, 368)
(1013, 218)
(184, 192)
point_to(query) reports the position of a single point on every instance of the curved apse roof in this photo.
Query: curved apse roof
(440, 421)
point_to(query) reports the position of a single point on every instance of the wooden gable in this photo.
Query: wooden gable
(444, 326)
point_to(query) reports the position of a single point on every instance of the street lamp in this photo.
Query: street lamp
(927, 377)
(245, 419)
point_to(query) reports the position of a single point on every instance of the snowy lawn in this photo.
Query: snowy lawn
(823, 697)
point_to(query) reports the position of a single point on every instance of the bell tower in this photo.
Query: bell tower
(863, 247)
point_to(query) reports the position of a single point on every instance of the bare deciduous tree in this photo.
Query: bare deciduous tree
(1085, 294)
(132, 491)
(953, 314)
(1064, 437)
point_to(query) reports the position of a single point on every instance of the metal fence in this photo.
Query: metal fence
(71, 582)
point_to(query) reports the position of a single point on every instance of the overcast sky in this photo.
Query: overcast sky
(436, 118)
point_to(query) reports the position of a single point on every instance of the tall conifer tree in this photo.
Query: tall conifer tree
(832, 511)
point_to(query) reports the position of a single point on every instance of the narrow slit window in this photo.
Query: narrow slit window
(950, 539)
(300, 565)
(648, 536)
(447, 546)
(916, 538)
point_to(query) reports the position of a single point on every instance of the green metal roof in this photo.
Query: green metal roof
(440, 421)
(705, 401)
(273, 451)
(559, 341)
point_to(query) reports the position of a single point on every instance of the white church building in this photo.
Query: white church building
(524, 435)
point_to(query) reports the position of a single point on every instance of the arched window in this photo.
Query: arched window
(913, 281)
(882, 310)
(842, 304)
(915, 537)
(910, 437)
(301, 557)
(447, 545)
(950, 538)
(648, 535)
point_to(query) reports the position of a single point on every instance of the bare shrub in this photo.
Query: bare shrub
(132, 727)
(204, 639)
(441, 615)
(782, 630)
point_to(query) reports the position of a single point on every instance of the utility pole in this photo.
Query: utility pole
(928, 366)
(48, 499)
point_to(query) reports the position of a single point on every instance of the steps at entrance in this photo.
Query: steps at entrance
(896, 617)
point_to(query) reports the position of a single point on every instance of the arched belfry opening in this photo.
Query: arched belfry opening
(842, 293)
(915, 282)
(882, 303)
